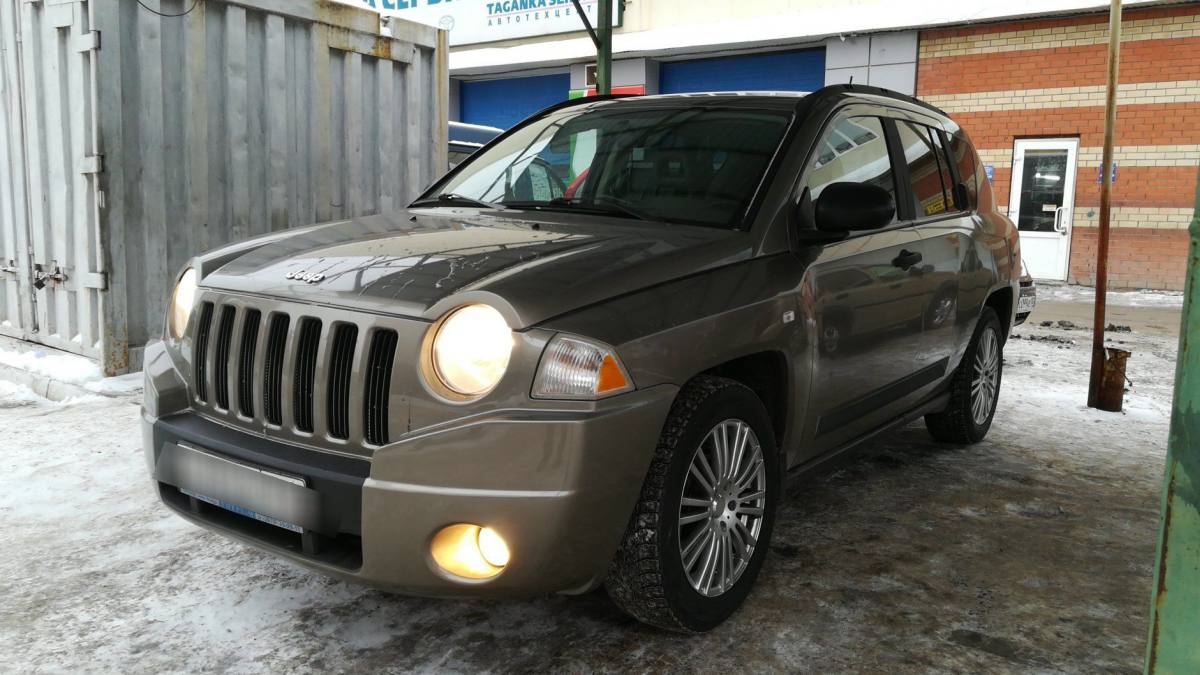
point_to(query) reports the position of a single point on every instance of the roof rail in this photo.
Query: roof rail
(832, 89)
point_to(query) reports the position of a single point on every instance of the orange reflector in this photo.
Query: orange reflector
(611, 377)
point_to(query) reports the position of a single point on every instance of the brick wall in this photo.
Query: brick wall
(1148, 258)
(1045, 78)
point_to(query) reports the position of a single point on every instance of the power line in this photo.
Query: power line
(169, 16)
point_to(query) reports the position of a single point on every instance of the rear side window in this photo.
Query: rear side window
(928, 174)
(852, 150)
(963, 156)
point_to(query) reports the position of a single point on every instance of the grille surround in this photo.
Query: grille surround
(306, 374)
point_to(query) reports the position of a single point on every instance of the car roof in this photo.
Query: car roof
(772, 100)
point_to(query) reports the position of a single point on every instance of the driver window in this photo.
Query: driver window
(854, 150)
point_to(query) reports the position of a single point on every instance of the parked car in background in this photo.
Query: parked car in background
(506, 391)
(1027, 300)
(465, 139)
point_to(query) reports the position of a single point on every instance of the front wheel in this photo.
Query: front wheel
(698, 536)
(974, 388)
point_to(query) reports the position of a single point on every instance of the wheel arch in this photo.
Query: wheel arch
(1001, 301)
(766, 374)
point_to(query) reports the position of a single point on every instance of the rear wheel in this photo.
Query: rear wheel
(701, 528)
(975, 387)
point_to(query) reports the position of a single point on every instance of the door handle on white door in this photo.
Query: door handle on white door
(1060, 220)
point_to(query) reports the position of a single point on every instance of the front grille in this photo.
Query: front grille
(255, 365)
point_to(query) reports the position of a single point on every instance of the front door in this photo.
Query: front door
(1042, 203)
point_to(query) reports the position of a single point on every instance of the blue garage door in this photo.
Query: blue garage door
(503, 103)
(776, 71)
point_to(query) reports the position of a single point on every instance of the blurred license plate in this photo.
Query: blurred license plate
(1026, 303)
(243, 511)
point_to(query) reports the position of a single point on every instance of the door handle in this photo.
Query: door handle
(906, 259)
(1060, 222)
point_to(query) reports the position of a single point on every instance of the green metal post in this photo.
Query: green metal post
(604, 48)
(1175, 612)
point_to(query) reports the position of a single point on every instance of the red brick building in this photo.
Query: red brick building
(1031, 95)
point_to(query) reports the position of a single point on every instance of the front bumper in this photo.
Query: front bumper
(559, 486)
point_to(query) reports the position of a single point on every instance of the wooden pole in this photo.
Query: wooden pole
(1096, 382)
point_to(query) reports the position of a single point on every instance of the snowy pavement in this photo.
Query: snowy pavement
(1031, 552)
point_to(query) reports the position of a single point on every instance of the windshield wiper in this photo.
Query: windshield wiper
(574, 204)
(451, 198)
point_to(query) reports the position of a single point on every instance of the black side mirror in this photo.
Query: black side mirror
(854, 206)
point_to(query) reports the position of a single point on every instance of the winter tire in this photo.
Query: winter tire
(702, 525)
(974, 388)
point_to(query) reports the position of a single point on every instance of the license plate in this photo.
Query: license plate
(1026, 303)
(270, 497)
(243, 511)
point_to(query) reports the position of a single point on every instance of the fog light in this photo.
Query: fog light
(470, 551)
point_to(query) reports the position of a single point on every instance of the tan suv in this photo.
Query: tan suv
(592, 353)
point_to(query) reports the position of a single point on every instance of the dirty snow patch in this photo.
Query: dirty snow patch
(120, 385)
(1084, 294)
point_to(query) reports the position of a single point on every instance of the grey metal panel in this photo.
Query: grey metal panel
(901, 77)
(890, 48)
(241, 117)
(14, 269)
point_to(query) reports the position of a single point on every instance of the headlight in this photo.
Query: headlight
(576, 368)
(182, 301)
(470, 350)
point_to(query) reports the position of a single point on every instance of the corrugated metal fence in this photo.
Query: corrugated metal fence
(131, 139)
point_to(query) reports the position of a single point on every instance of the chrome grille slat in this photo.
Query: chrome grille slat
(203, 328)
(377, 378)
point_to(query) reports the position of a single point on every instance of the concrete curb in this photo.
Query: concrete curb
(52, 389)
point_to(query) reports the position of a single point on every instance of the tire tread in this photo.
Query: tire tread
(635, 579)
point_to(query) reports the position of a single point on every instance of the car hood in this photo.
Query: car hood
(419, 263)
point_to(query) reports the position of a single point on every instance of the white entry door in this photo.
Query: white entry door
(1042, 203)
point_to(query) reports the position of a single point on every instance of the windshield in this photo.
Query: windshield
(693, 165)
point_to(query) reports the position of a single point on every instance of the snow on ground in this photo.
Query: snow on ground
(1087, 294)
(1030, 552)
(51, 363)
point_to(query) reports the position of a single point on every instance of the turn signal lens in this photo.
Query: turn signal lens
(470, 551)
(575, 368)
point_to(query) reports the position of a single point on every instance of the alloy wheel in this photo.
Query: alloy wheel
(721, 512)
(986, 378)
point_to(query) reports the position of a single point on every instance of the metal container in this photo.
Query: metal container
(136, 134)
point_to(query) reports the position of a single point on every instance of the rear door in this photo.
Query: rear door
(867, 297)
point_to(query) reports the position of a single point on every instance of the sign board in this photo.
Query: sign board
(990, 170)
(475, 21)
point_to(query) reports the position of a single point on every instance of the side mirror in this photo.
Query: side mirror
(854, 206)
